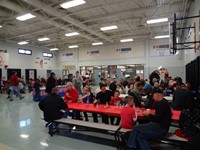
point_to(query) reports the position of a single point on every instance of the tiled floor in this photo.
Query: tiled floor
(21, 128)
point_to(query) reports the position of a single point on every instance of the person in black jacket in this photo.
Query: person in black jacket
(103, 97)
(182, 98)
(157, 128)
(51, 107)
(51, 83)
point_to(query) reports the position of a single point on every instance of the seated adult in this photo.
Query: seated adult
(87, 98)
(52, 106)
(182, 97)
(157, 128)
(149, 102)
(189, 118)
(103, 97)
(136, 94)
(128, 114)
(98, 89)
(71, 96)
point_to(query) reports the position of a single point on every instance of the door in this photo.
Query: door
(49, 73)
(31, 74)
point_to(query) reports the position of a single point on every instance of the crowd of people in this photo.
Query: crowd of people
(108, 93)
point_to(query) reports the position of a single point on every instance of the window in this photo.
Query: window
(24, 51)
(50, 55)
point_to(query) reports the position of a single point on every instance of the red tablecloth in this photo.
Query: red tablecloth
(113, 110)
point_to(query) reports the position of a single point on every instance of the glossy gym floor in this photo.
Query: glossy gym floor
(22, 128)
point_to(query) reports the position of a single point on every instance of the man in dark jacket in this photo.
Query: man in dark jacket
(51, 83)
(52, 106)
(157, 128)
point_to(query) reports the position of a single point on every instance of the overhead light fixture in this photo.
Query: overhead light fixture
(0, 26)
(157, 20)
(109, 28)
(24, 136)
(44, 144)
(23, 43)
(126, 40)
(98, 43)
(73, 46)
(161, 36)
(44, 39)
(72, 34)
(53, 49)
(25, 17)
(72, 3)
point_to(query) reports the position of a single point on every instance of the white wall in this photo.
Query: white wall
(23, 62)
(190, 55)
(142, 53)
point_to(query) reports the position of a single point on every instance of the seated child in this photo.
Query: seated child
(87, 98)
(128, 114)
(115, 101)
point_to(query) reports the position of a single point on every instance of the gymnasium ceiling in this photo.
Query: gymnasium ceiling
(54, 22)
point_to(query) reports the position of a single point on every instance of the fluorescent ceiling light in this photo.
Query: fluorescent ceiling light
(44, 144)
(157, 20)
(0, 26)
(44, 39)
(24, 136)
(25, 17)
(73, 46)
(126, 40)
(161, 36)
(108, 28)
(72, 3)
(98, 43)
(72, 34)
(53, 49)
(23, 43)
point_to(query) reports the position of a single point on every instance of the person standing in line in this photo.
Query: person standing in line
(14, 81)
(51, 83)
(78, 81)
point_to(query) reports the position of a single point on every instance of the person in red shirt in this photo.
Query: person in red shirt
(14, 82)
(128, 114)
(71, 94)
(115, 101)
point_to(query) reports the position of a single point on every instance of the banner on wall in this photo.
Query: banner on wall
(161, 50)
(67, 56)
(4, 59)
(93, 53)
(124, 50)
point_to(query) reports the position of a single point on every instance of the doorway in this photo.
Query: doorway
(48, 73)
(31, 74)
(10, 71)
